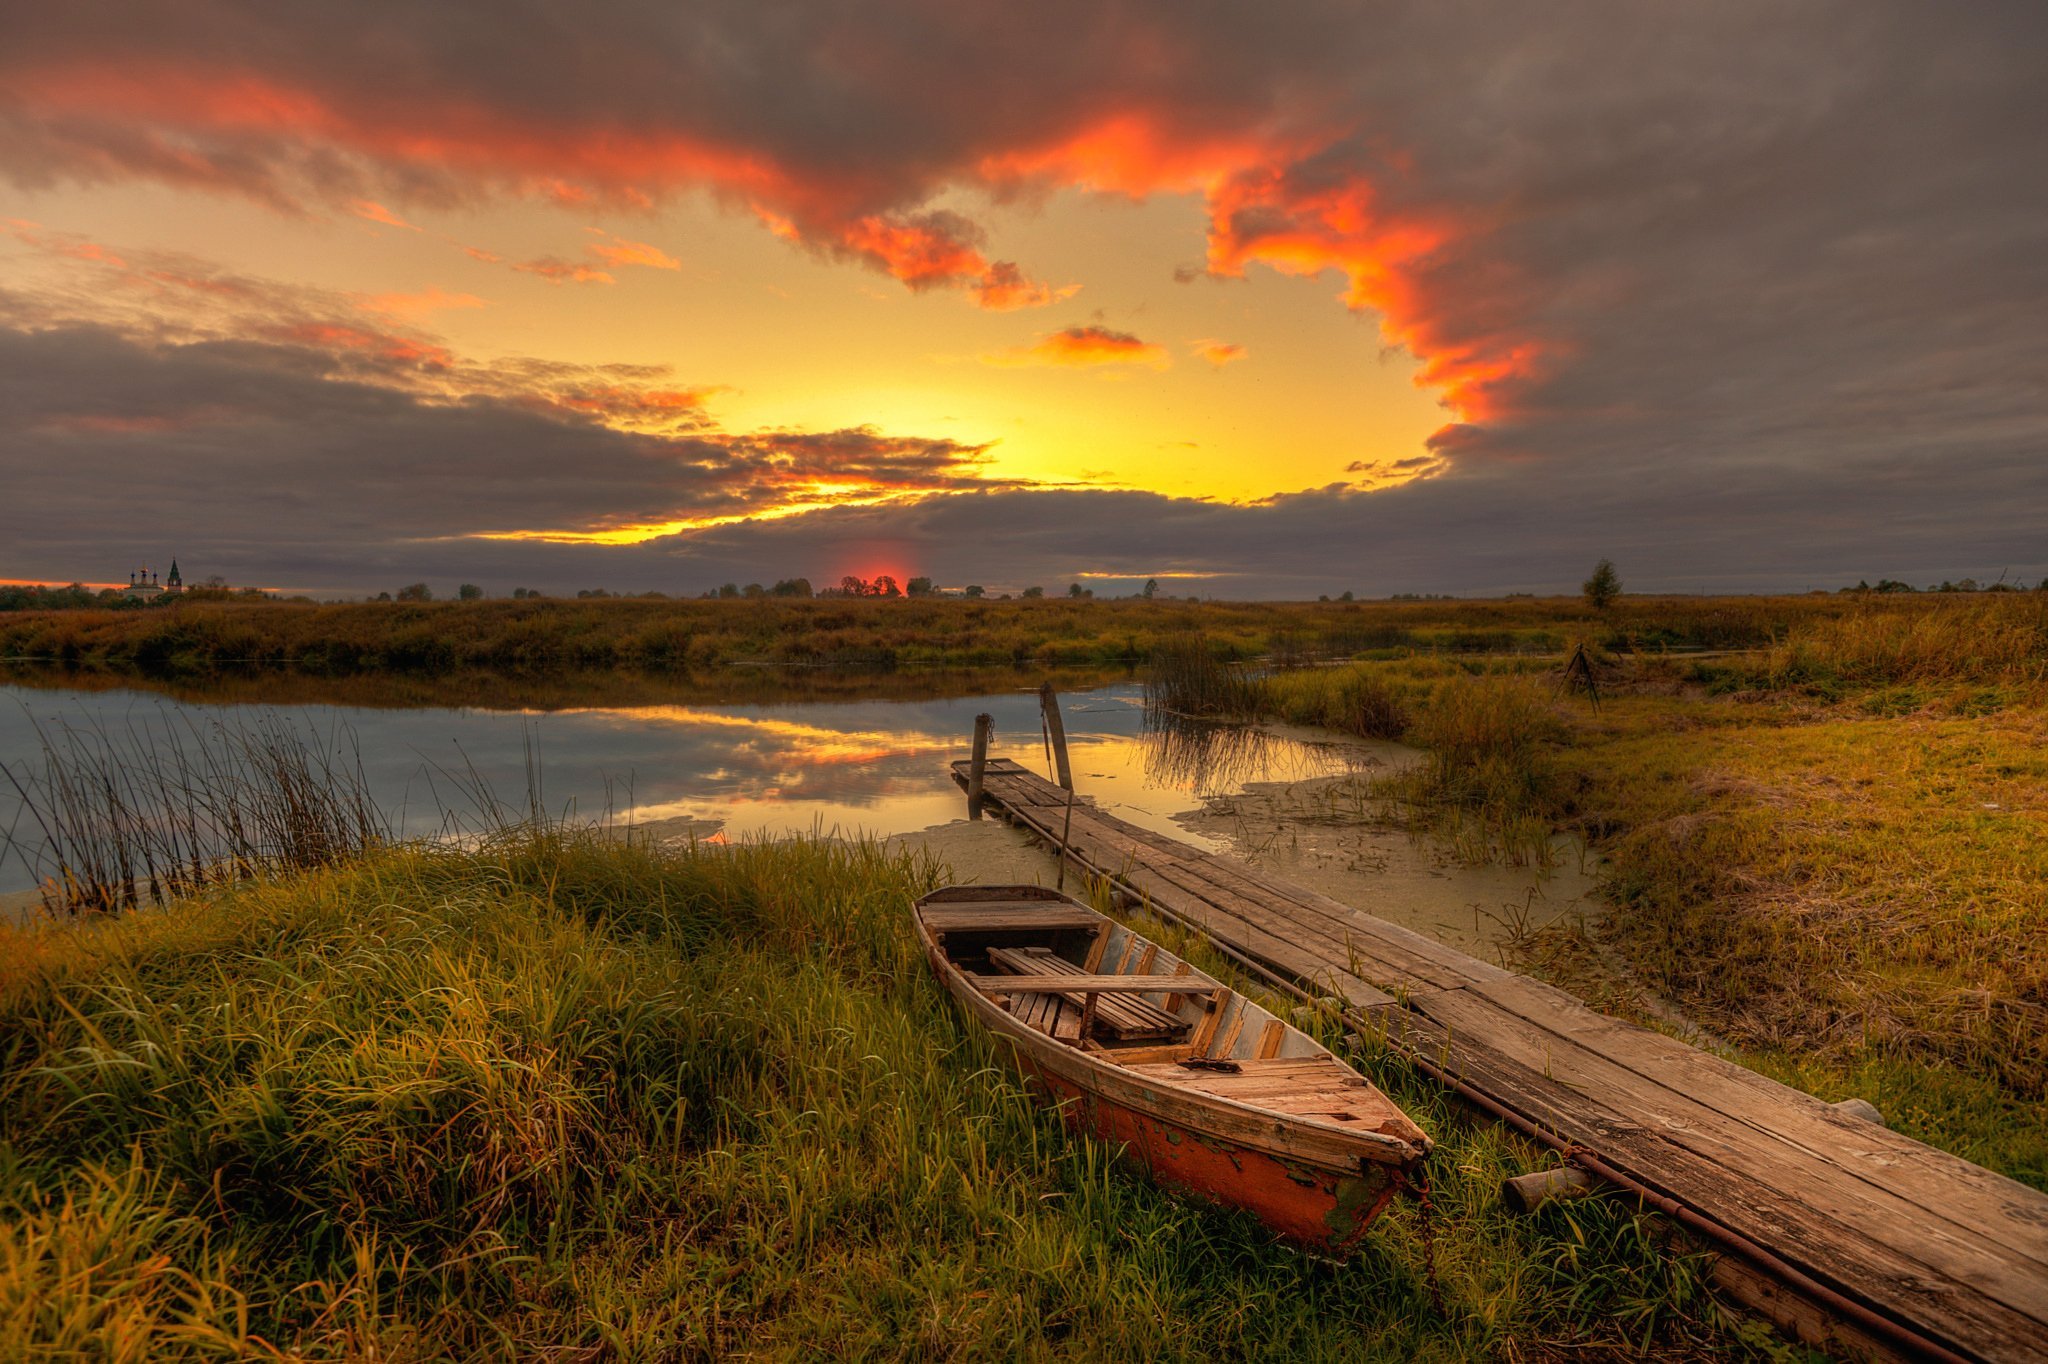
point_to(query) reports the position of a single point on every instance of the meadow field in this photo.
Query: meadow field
(553, 1094)
(560, 1097)
(1830, 854)
(202, 638)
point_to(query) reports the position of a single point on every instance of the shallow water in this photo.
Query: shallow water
(1291, 801)
(878, 767)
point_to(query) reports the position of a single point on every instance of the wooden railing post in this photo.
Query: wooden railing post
(1056, 730)
(983, 724)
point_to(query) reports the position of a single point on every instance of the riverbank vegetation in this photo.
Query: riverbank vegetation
(1831, 853)
(196, 638)
(557, 1096)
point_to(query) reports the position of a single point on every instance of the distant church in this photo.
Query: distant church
(143, 584)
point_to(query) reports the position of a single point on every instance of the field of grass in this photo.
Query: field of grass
(1832, 853)
(554, 1097)
(198, 638)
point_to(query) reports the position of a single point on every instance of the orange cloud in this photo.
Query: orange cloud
(557, 271)
(377, 213)
(1289, 188)
(1219, 353)
(1260, 213)
(932, 250)
(616, 250)
(1003, 288)
(1085, 347)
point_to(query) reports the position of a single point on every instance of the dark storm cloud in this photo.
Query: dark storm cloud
(1679, 269)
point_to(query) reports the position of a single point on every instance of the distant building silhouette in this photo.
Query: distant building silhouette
(144, 586)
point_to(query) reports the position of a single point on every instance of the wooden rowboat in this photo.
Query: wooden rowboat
(1211, 1093)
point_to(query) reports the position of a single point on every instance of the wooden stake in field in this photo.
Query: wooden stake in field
(1578, 673)
(983, 726)
(1056, 733)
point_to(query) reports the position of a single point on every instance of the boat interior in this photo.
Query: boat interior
(1086, 981)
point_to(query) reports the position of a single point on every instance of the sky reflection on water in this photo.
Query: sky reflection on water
(873, 766)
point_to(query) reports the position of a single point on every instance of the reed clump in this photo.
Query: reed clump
(1362, 700)
(563, 1096)
(1486, 776)
(1187, 677)
(162, 808)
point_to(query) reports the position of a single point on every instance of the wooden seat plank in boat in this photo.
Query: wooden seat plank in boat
(1116, 1014)
(1306, 1086)
(1078, 984)
(991, 916)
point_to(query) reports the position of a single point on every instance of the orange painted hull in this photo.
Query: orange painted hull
(1318, 1208)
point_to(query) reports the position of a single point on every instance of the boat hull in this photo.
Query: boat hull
(1315, 1207)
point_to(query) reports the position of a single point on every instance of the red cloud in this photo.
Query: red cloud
(1287, 180)
(1085, 347)
(377, 213)
(616, 250)
(1003, 288)
(1219, 353)
(557, 271)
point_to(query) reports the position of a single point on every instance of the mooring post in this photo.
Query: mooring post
(982, 725)
(1056, 729)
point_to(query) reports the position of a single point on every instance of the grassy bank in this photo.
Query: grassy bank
(559, 1098)
(1832, 853)
(436, 638)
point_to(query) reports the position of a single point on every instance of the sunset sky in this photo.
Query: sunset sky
(1257, 300)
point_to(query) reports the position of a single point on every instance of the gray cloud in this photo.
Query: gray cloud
(1748, 292)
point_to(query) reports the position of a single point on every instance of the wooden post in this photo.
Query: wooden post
(1049, 706)
(1526, 1193)
(982, 725)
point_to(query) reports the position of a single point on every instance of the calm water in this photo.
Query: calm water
(845, 766)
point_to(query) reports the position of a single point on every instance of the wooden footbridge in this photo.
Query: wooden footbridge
(1848, 1235)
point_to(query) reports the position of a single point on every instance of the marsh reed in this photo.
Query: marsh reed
(161, 807)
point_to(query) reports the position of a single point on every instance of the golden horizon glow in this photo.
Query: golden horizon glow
(1232, 392)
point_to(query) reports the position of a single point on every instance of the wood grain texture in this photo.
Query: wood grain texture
(1957, 1252)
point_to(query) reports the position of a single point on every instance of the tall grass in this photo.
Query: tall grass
(1486, 776)
(559, 1097)
(1362, 700)
(163, 807)
(1186, 677)
(1994, 640)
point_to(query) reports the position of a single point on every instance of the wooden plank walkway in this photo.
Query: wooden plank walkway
(1952, 1252)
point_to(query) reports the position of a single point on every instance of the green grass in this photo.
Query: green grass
(559, 1094)
(1831, 854)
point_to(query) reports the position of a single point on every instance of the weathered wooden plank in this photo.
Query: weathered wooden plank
(1388, 961)
(1970, 1197)
(1400, 948)
(1285, 954)
(1919, 1235)
(1863, 1266)
(992, 915)
(1785, 1195)
(1119, 1014)
(1063, 984)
